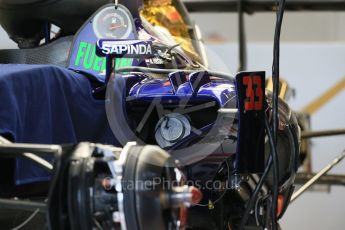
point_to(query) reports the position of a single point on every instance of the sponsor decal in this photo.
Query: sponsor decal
(128, 48)
(87, 59)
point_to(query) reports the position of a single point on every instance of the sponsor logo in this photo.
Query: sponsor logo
(87, 59)
(125, 48)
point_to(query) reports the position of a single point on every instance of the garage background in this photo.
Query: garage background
(312, 61)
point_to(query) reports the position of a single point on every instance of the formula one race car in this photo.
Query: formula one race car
(133, 75)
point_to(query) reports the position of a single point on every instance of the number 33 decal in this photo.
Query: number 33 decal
(254, 93)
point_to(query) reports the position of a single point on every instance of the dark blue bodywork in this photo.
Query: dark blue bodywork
(214, 129)
(220, 91)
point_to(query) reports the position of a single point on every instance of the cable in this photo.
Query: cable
(172, 47)
(224, 192)
(263, 178)
(275, 101)
(275, 174)
(241, 37)
(27, 220)
(255, 193)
